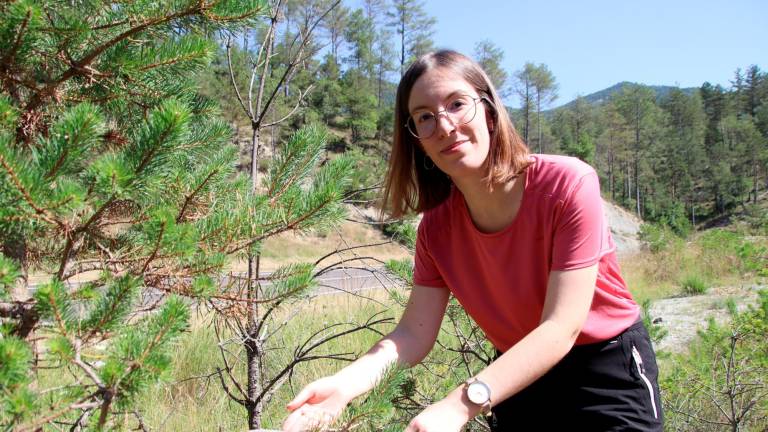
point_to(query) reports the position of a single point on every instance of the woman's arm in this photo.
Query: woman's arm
(408, 344)
(569, 296)
(411, 340)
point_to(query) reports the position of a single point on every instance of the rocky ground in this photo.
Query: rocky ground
(682, 317)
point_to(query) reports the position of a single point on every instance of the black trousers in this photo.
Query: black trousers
(607, 386)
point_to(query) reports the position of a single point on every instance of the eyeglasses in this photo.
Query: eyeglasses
(460, 110)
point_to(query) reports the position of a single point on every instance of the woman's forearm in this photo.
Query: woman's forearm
(399, 347)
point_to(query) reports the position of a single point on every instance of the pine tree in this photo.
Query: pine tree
(118, 189)
(637, 104)
(413, 27)
(490, 56)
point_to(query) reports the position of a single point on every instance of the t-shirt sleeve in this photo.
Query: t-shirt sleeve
(425, 270)
(580, 228)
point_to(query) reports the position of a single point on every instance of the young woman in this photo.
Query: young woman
(521, 241)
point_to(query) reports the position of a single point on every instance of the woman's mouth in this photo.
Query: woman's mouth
(453, 147)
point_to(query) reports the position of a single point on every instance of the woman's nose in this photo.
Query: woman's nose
(444, 124)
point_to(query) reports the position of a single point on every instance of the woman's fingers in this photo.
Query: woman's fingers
(304, 395)
(307, 418)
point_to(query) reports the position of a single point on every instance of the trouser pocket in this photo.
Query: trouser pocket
(637, 361)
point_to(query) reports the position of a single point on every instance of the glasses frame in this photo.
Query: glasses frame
(475, 100)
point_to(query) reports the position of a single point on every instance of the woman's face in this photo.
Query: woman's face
(459, 150)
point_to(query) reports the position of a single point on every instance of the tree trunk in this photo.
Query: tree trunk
(402, 44)
(255, 147)
(254, 347)
(527, 109)
(538, 122)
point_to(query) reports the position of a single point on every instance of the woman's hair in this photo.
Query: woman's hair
(413, 186)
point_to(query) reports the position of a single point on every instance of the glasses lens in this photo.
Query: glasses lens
(462, 110)
(422, 124)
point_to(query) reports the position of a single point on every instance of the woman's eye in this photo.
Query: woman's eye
(458, 104)
(424, 117)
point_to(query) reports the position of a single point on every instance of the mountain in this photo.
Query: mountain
(601, 96)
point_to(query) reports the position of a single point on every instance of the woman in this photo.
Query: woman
(520, 240)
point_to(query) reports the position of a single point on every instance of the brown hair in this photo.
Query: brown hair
(410, 185)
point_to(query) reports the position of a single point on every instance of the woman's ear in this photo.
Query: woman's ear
(489, 120)
(490, 114)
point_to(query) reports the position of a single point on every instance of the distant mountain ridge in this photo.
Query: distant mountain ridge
(601, 96)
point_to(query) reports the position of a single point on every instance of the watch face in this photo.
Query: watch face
(478, 393)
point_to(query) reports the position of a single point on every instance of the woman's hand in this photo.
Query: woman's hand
(317, 405)
(447, 415)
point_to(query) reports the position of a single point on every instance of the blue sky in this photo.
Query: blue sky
(590, 45)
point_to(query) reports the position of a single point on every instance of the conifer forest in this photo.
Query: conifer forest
(146, 146)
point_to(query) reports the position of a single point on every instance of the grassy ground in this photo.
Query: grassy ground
(192, 399)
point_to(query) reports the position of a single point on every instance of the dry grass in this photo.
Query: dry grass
(290, 247)
(192, 399)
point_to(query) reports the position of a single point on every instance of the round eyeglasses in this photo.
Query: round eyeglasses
(460, 110)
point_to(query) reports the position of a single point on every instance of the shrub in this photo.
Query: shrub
(366, 176)
(658, 236)
(721, 383)
(403, 231)
(693, 285)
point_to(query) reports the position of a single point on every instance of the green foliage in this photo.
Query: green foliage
(53, 303)
(403, 231)
(368, 170)
(108, 162)
(401, 268)
(16, 400)
(292, 280)
(672, 215)
(377, 410)
(658, 237)
(141, 353)
(9, 273)
(583, 148)
(655, 331)
(750, 256)
(693, 285)
(110, 309)
(721, 381)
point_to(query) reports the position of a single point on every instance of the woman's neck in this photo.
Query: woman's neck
(493, 210)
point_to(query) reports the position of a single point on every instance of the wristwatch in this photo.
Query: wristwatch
(479, 394)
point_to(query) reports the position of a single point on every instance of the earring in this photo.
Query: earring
(424, 163)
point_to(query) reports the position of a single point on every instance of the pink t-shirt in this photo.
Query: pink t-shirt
(501, 278)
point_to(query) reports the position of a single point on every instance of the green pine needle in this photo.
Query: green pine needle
(112, 307)
(141, 354)
(9, 274)
(75, 134)
(290, 280)
(53, 303)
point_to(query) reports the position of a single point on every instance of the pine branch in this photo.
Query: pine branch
(43, 213)
(248, 112)
(256, 124)
(302, 353)
(6, 60)
(240, 400)
(156, 248)
(81, 403)
(194, 193)
(295, 108)
(80, 67)
(279, 230)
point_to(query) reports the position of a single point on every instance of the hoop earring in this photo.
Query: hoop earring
(424, 163)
